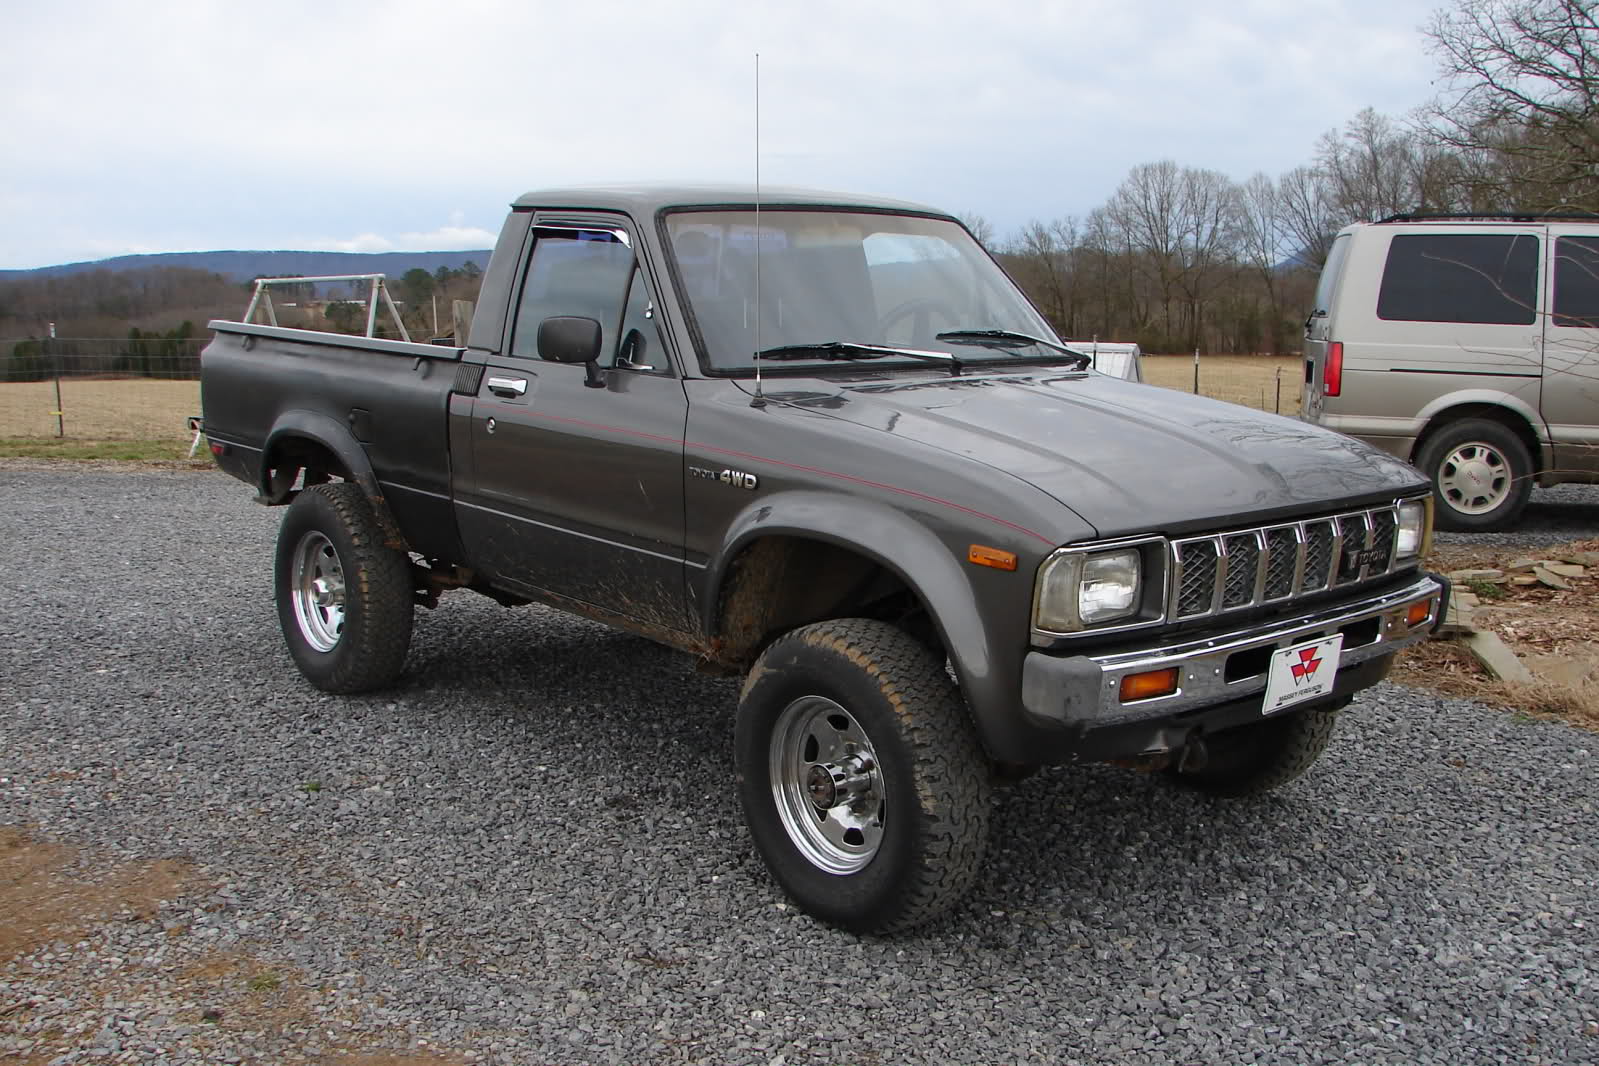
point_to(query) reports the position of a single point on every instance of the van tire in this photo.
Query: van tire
(1477, 455)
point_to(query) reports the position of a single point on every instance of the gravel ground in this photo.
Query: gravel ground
(1553, 516)
(531, 852)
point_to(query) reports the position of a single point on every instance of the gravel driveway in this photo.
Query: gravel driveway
(531, 852)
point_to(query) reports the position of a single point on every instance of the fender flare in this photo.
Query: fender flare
(336, 437)
(1440, 407)
(927, 566)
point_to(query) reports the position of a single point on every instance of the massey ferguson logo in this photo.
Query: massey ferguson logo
(736, 478)
(1305, 669)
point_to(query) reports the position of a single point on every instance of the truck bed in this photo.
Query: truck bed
(266, 386)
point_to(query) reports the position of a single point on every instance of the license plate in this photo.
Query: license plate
(1301, 673)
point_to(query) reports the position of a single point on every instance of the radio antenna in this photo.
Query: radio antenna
(759, 400)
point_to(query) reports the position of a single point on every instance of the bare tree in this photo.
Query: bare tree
(980, 227)
(1261, 231)
(1043, 255)
(1207, 212)
(1521, 99)
(1370, 167)
(1144, 208)
(1309, 219)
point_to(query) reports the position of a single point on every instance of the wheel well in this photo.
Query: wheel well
(779, 582)
(290, 455)
(1492, 413)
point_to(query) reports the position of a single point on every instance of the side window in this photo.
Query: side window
(640, 347)
(572, 272)
(1329, 273)
(1461, 277)
(1577, 282)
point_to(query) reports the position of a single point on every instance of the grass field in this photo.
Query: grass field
(95, 409)
(1251, 380)
(109, 419)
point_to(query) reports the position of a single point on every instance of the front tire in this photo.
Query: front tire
(863, 783)
(345, 600)
(1261, 757)
(1481, 475)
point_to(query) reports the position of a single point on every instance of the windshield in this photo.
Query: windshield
(892, 281)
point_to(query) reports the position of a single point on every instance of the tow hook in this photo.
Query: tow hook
(1195, 755)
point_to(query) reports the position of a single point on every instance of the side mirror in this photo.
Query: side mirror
(572, 339)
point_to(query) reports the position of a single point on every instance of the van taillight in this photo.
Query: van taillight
(1332, 369)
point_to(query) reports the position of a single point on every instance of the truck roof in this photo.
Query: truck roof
(646, 199)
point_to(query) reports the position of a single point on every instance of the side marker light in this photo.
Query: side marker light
(982, 555)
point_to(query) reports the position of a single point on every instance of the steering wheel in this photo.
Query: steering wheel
(921, 311)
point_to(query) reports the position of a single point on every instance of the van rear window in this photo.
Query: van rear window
(1461, 277)
(1577, 282)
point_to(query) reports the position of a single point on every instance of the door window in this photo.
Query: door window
(1577, 282)
(1461, 277)
(572, 272)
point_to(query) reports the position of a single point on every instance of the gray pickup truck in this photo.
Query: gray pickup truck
(825, 443)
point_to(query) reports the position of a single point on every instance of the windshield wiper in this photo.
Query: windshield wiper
(1005, 338)
(855, 350)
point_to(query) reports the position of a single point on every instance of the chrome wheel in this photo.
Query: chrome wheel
(317, 590)
(827, 784)
(1475, 478)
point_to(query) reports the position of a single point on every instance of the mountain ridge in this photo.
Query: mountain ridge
(246, 265)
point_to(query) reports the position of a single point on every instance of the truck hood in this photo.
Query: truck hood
(1128, 458)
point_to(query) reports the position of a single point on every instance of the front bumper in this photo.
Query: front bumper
(1084, 691)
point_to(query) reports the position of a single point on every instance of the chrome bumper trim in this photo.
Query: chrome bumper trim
(1085, 690)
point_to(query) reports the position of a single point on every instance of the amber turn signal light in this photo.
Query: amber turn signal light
(983, 555)
(1418, 613)
(1148, 685)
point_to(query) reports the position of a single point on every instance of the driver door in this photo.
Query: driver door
(578, 487)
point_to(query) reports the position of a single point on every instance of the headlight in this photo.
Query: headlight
(1076, 589)
(1411, 538)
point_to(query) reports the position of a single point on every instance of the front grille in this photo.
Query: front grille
(1243, 568)
(1250, 567)
(1282, 561)
(1319, 541)
(1196, 588)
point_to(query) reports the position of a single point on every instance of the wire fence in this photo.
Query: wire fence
(1264, 382)
(146, 388)
(97, 388)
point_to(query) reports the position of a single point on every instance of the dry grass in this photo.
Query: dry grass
(1251, 380)
(99, 409)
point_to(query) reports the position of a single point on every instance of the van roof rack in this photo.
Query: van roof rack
(1490, 216)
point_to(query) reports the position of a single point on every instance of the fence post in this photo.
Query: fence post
(1196, 371)
(1279, 390)
(55, 361)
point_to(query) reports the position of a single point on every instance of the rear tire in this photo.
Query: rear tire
(1261, 757)
(1481, 475)
(345, 600)
(862, 780)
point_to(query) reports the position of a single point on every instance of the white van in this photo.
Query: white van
(1467, 345)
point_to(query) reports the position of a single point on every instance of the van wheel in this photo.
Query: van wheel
(1481, 475)
(345, 601)
(863, 783)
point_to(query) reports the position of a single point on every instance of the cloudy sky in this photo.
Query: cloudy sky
(190, 125)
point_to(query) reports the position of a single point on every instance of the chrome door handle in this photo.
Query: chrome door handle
(508, 386)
